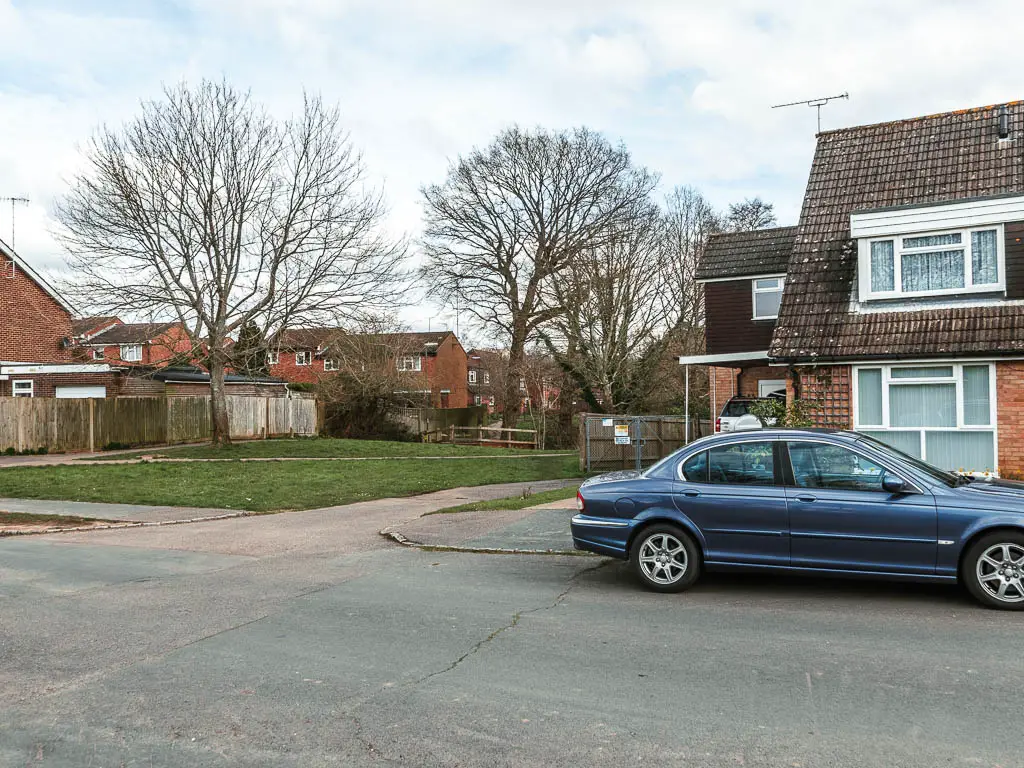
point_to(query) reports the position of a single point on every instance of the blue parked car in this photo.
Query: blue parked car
(808, 502)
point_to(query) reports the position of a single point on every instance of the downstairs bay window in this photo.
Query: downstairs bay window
(944, 414)
(932, 264)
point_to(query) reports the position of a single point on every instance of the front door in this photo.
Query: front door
(732, 493)
(840, 517)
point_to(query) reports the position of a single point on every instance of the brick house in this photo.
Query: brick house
(434, 365)
(36, 337)
(483, 367)
(151, 344)
(900, 307)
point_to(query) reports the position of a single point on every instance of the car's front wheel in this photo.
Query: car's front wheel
(665, 558)
(993, 570)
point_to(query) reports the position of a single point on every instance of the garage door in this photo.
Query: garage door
(80, 392)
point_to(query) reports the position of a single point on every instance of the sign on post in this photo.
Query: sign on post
(622, 434)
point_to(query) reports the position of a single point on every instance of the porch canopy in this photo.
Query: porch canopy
(724, 360)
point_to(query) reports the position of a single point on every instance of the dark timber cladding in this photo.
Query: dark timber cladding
(921, 161)
(729, 325)
(1015, 260)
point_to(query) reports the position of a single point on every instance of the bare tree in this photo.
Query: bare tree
(206, 210)
(512, 216)
(751, 214)
(688, 223)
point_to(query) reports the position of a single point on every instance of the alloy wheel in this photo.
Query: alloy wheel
(1000, 572)
(663, 558)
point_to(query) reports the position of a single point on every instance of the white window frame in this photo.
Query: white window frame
(330, 364)
(779, 287)
(304, 357)
(766, 386)
(864, 263)
(98, 353)
(273, 358)
(410, 363)
(487, 377)
(477, 400)
(131, 353)
(29, 391)
(472, 376)
(957, 378)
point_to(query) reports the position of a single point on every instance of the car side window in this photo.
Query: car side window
(695, 468)
(748, 463)
(822, 465)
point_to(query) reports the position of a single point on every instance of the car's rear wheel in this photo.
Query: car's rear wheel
(665, 558)
(993, 570)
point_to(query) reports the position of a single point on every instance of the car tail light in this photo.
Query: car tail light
(579, 502)
(718, 424)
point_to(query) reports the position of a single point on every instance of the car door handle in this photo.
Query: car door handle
(691, 493)
(806, 497)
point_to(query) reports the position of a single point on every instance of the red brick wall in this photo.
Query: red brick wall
(751, 377)
(449, 369)
(286, 369)
(154, 352)
(45, 384)
(1010, 418)
(32, 323)
(723, 386)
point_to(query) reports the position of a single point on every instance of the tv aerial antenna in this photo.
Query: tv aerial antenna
(13, 201)
(819, 103)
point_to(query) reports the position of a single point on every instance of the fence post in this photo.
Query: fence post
(92, 425)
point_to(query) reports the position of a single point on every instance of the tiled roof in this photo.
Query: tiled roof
(321, 338)
(131, 333)
(933, 159)
(738, 254)
(84, 325)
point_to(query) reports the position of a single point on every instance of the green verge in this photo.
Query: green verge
(512, 502)
(316, 448)
(270, 486)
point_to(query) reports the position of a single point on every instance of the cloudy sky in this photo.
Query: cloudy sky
(687, 84)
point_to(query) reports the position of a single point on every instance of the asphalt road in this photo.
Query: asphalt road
(251, 642)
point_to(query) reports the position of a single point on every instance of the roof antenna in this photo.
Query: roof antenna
(819, 103)
(12, 201)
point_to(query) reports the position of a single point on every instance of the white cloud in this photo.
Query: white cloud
(687, 84)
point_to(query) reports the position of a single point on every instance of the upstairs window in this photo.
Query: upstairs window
(305, 357)
(131, 353)
(767, 297)
(273, 358)
(934, 264)
(97, 353)
(410, 363)
(472, 377)
(487, 377)
(330, 364)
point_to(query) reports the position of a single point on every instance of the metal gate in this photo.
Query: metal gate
(633, 442)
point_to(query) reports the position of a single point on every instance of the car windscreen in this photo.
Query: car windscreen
(736, 408)
(948, 479)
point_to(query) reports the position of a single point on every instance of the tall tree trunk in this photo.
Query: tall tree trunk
(512, 397)
(218, 400)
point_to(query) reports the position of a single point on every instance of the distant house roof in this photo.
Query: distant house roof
(191, 375)
(87, 326)
(739, 254)
(7, 252)
(933, 159)
(130, 333)
(320, 339)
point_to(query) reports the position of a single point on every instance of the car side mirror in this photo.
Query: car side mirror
(894, 484)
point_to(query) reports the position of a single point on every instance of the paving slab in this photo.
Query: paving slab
(137, 513)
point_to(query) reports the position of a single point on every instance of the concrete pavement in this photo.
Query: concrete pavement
(305, 639)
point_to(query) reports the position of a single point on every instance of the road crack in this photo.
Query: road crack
(516, 618)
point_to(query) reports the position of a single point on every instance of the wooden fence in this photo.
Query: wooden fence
(83, 425)
(633, 442)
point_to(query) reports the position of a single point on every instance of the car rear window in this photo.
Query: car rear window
(736, 408)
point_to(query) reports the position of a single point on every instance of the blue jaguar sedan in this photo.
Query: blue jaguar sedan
(807, 502)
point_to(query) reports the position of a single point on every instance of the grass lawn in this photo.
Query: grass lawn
(320, 447)
(265, 487)
(514, 502)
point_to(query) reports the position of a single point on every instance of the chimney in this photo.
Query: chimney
(1004, 123)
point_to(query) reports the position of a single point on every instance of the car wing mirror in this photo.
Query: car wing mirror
(894, 484)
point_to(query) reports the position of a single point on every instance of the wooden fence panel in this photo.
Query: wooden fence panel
(75, 425)
(188, 419)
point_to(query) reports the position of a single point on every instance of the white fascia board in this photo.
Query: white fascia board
(42, 368)
(740, 277)
(724, 358)
(956, 215)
